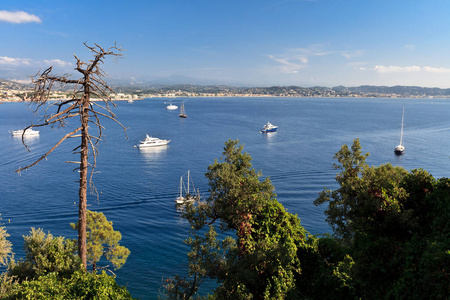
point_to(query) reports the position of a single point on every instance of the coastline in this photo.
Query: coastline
(3, 101)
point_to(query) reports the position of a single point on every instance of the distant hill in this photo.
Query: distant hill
(179, 86)
(13, 85)
(401, 90)
(285, 91)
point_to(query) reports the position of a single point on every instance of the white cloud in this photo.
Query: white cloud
(409, 69)
(298, 58)
(57, 62)
(18, 17)
(396, 69)
(4, 60)
(436, 70)
(26, 62)
(294, 59)
(288, 65)
(23, 81)
(352, 54)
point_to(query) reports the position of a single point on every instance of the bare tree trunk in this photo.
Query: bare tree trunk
(92, 83)
(82, 250)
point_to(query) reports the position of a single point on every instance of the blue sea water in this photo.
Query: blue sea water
(138, 187)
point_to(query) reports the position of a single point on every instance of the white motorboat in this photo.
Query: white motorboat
(130, 101)
(152, 142)
(400, 149)
(188, 197)
(171, 106)
(269, 128)
(28, 132)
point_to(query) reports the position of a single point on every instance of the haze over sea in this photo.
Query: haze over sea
(138, 187)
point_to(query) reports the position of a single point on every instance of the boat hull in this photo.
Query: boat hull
(27, 133)
(268, 130)
(399, 150)
(152, 145)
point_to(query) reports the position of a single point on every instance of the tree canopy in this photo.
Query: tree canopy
(395, 225)
(391, 235)
(103, 240)
(52, 270)
(256, 255)
(5, 246)
(45, 254)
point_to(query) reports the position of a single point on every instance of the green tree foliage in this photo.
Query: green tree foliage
(395, 226)
(261, 261)
(52, 270)
(103, 240)
(5, 247)
(7, 284)
(46, 254)
(326, 270)
(80, 285)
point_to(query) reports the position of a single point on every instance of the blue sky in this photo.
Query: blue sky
(245, 42)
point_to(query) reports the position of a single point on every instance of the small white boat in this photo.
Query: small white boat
(188, 197)
(171, 106)
(269, 128)
(28, 132)
(400, 149)
(130, 101)
(152, 142)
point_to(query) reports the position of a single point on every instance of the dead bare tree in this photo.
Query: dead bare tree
(91, 86)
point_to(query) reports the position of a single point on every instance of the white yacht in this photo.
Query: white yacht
(28, 132)
(171, 106)
(152, 142)
(269, 128)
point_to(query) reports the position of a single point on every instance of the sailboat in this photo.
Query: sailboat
(400, 149)
(182, 111)
(188, 197)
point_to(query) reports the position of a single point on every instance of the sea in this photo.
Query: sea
(137, 188)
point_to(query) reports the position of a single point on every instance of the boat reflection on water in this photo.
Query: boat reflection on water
(153, 152)
(270, 136)
(29, 140)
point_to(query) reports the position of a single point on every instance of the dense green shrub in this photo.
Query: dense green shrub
(81, 285)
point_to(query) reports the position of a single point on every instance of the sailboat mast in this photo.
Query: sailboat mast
(188, 183)
(181, 186)
(401, 132)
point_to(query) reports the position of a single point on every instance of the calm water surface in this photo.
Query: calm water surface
(137, 188)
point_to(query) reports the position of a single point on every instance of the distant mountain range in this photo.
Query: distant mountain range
(292, 91)
(398, 90)
(194, 86)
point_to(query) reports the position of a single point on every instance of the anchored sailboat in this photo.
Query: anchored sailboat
(188, 197)
(182, 111)
(400, 149)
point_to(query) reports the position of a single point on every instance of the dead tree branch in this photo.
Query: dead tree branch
(50, 151)
(80, 105)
